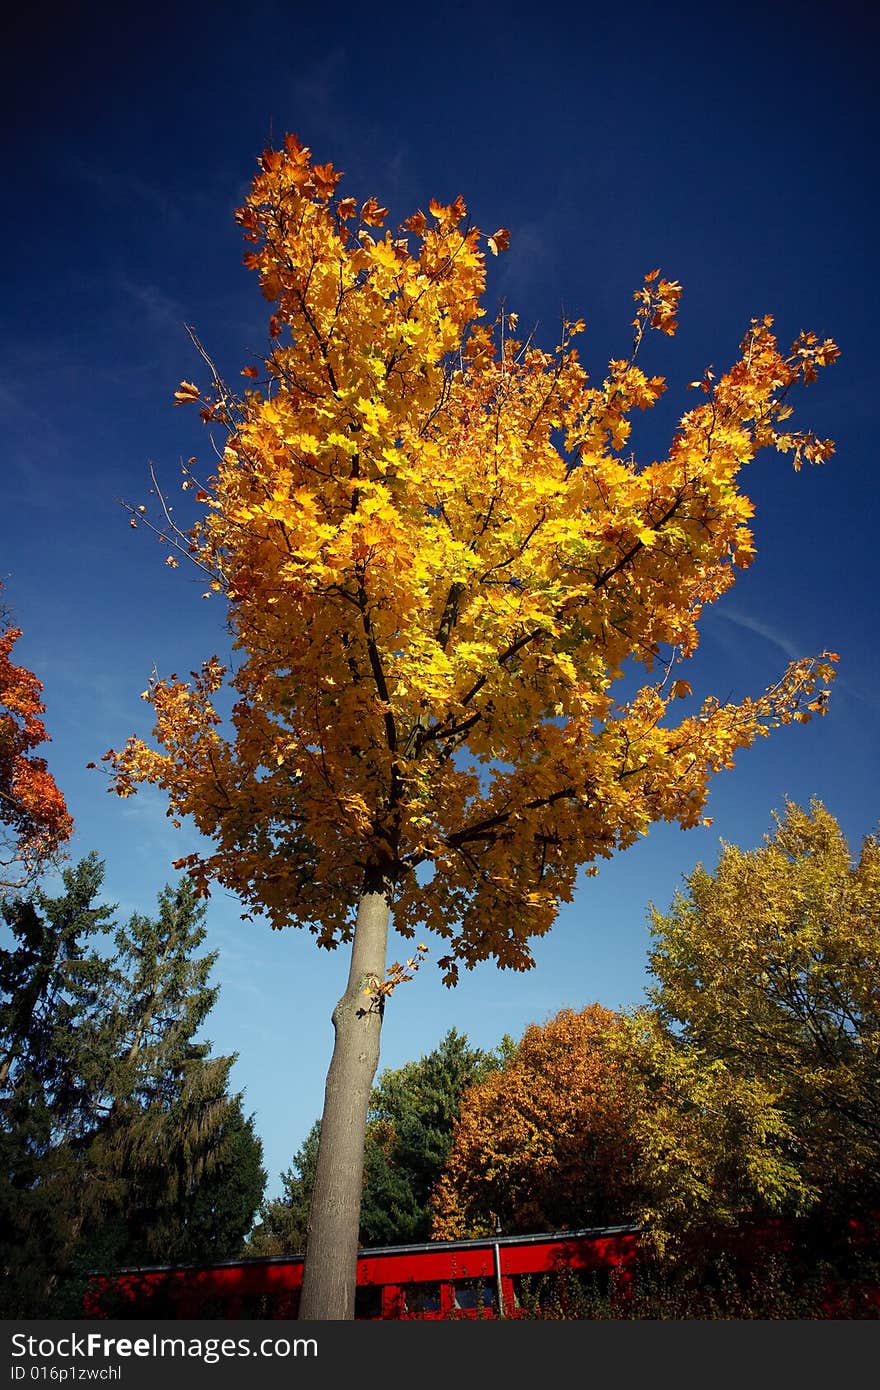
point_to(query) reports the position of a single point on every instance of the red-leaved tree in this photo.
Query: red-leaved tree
(34, 820)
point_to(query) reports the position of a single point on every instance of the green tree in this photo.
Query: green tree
(220, 1209)
(770, 967)
(284, 1221)
(171, 1133)
(51, 979)
(123, 1143)
(413, 1111)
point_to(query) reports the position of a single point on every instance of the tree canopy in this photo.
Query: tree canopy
(438, 557)
(544, 1142)
(771, 965)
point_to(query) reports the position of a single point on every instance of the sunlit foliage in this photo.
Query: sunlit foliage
(438, 559)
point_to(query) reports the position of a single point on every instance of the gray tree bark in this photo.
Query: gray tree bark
(330, 1271)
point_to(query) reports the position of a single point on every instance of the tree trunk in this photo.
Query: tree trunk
(330, 1269)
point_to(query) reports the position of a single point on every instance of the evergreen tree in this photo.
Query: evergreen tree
(50, 1029)
(220, 1210)
(123, 1142)
(412, 1114)
(283, 1222)
(163, 1095)
(177, 1167)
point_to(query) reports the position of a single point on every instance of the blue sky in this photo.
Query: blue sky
(734, 148)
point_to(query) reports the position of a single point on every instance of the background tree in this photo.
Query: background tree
(170, 1135)
(219, 1209)
(123, 1143)
(413, 1111)
(713, 1149)
(284, 1221)
(50, 975)
(545, 1142)
(770, 966)
(34, 820)
(598, 1119)
(438, 559)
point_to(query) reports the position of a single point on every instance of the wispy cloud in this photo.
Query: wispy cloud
(161, 310)
(762, 629)
(789, 648)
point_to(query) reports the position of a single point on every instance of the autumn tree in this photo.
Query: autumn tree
(770, 968)
(546, 1142)
(438, 557)
(713, 1150)
(34, 820)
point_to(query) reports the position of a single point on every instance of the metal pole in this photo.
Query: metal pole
(496, 1251)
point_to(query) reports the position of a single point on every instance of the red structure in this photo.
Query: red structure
(486, 1278)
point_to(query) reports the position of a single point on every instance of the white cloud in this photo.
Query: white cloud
(771, 634)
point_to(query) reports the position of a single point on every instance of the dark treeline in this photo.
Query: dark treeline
(120, 1142)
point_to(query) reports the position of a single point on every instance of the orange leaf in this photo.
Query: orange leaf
(457, 210)
(499, 241)
(372, 214)
(417, 223)
(186, 392)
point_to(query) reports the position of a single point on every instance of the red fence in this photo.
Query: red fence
(441, 1279)
(504, 1276)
